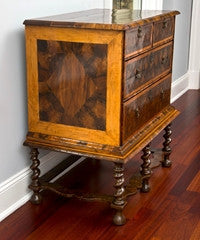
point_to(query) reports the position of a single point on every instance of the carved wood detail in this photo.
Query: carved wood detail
(119, 201)
(145, 169)
(166, 147)
(35, 183)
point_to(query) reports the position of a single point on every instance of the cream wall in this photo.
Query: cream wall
(13, 120)
(194, 62)
(182, 35)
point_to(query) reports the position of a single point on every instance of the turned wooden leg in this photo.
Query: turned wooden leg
(35, 184)
(119, 200)
(145, 169)
(166, 147)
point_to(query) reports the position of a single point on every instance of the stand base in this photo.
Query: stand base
(135, 183)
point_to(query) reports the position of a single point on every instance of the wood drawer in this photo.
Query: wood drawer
(138, 39)
(163, 31)
(140, 71)
(138, 110)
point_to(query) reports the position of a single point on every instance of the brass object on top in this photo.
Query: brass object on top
(120, 4)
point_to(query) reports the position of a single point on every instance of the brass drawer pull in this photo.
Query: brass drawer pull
(137, 113)
(139, 32)
(162, 94)
(165, 24)
(138, 74)
(164, 60)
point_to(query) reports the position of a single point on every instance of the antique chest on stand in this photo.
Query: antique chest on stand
(99, 86)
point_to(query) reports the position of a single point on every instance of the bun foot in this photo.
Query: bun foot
(119, 218)
(167, 163)
(36, 198)
(145, 187)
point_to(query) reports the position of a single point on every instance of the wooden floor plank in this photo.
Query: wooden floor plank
(195, 184)
(170, 211)
(196, 233)
(187, 177)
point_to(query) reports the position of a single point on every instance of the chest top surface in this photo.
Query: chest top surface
(113, 19)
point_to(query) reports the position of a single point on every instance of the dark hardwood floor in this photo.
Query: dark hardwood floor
(170, 211)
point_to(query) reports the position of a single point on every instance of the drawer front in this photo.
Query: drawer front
(138, 39)
(163, 31)
(140, 109)
(141, 70)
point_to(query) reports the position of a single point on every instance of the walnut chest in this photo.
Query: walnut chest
(99, 86)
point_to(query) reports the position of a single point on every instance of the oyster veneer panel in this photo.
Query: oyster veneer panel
(72, 83)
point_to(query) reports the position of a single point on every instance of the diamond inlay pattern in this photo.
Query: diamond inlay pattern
(72, 83)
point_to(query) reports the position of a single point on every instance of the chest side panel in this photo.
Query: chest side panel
(74, 83)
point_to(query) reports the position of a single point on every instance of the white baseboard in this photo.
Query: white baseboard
(194, 80)
(14, 191)
(179, 87)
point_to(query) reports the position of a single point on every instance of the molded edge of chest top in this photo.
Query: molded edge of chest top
(108, 19)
